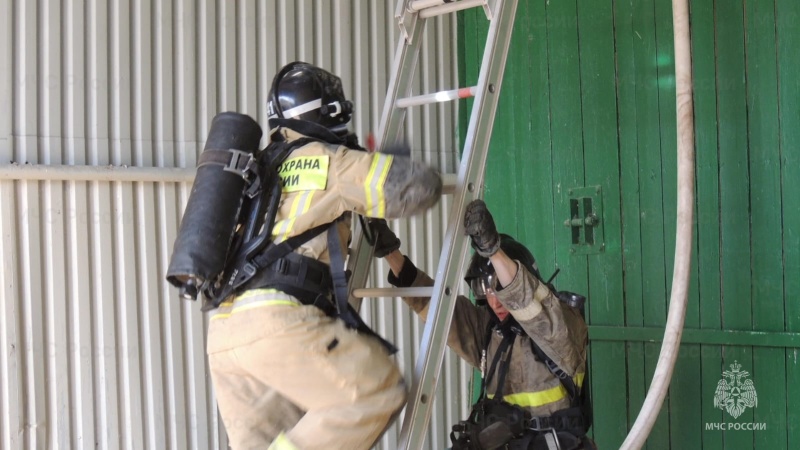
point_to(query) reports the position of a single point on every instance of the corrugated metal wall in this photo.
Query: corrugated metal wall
(97, 350)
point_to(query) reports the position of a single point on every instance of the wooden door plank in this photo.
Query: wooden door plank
(565, 120)
(600, 144)
(539, 214)
(629, 203)
(787, 13)
(734, 194)
(707, 231)
(765, 200)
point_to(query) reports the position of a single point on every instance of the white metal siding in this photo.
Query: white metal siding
(97, 349)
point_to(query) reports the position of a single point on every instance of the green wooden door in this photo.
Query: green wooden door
(588, 101)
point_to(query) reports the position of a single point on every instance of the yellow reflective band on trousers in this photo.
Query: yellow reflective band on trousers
(373, 185)
(540, 398)
(255, 298)
(300, 205)
(282, 443)
(304, 173)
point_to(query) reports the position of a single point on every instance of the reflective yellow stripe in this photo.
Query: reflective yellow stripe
(379, 189)
(304, 173)
(528, 312)
(541, 292)
(282, 443)
(300, 205)
(253, 299)
(534, 307)
(540, 398)
(373, 185)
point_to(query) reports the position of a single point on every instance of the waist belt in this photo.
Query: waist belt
(311, 282)
(500, 426)
(302, 277)
(568, 420)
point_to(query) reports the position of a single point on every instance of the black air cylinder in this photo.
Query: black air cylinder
(214, 207)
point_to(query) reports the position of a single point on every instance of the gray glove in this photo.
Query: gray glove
(479, 225)
(399, 148)
(385, 240)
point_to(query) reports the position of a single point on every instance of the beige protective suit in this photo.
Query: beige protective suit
(284, 373)
(559, 330)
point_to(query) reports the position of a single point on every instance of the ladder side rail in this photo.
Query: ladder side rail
(403, 69)
(389, 131)
(451, 262)
(358, 265)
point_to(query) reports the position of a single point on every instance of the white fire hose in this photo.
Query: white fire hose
(683, 233)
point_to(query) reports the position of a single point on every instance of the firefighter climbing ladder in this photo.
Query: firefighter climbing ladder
(411, 15)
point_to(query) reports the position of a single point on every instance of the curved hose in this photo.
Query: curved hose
(683, 233)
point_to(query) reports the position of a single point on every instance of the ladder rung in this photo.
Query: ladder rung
(449, 7)
(441, 96)
(449, 181)
(419, 5)
(424, 291)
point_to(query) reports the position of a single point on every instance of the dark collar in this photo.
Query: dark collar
(315, 131)
(509, 325)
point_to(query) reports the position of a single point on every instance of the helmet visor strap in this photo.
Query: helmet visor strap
(302, 109)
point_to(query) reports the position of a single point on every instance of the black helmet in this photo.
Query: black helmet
(480, 274)
(306, 92)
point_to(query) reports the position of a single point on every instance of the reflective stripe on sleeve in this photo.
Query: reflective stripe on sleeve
(540, 398)
(253, 299)
(534, 307)
(373, 185)
(541, 292)
(300, 205)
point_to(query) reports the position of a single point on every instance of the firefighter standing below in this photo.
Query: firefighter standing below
(537, 407)
(286, 374)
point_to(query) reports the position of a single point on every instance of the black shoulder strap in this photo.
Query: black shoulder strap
(579, 398)
(575, 392)
(505, 344)
(569, 384)
(346, 312)
(506, 363)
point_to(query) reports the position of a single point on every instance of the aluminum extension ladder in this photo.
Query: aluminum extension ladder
(411, 16)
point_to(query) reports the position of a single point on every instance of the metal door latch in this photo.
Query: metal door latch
(585, 220)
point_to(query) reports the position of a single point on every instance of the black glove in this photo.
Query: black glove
(479, 225)
(385, 240)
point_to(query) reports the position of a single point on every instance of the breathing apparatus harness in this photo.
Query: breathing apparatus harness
(253, 252)
(262, 263)
(249, 258)
(494, 423)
